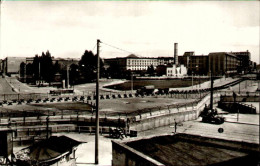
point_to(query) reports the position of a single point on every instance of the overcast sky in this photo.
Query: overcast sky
(145, 28)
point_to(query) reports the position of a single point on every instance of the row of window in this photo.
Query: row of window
(137, 68)
(148, 61)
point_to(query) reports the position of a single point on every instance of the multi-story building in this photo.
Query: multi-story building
(221, 63)
(196, 64)
(134, 63)
(245, 57)
(11, 65)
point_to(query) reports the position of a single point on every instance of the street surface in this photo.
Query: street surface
(5, 88)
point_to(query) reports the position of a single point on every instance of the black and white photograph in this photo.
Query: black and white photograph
(129, 83)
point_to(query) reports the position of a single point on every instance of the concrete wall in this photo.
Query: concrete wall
(124, 155)
(243, 98)
(167, 117)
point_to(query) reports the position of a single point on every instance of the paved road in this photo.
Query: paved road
(5, 88)
(232, 131)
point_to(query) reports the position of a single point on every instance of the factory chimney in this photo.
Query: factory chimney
(176, 53)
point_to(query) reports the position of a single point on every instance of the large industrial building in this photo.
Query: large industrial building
(11, 65)
(222, 63)
(245, 60)
(135, 63)
(196, 64)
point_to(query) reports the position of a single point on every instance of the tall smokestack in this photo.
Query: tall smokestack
(176, 53)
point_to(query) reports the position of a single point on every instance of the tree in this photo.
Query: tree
(47, 72)
(88, 66)
(115, 71)
(36, 66)
(43, 67)
(22, 72)
(56, 68)
(150, 70)
(161, 70)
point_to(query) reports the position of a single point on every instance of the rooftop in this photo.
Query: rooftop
(48, 149)
(184, 149)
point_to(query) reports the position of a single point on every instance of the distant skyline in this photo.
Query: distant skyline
(146, 28)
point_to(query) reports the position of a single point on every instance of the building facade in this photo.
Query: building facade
(135, 63)
(245, 60)
(222, 63)
(176, 71)
(11, 65)
(196, 64)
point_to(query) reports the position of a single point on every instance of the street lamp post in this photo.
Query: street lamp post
(132, 87)
(198, 72)
(192, 79)
(211, 90)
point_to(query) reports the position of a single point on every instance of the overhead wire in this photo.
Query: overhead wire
(117, 48)
(94, 47)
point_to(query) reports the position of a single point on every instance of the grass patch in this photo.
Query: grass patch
(176, 83)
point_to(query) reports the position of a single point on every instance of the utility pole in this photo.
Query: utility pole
(211, 91)
(97, 105)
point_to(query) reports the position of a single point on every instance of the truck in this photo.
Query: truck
(145, 90)
(211, 116)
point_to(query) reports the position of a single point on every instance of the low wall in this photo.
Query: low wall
(147, 121)
(124, 155)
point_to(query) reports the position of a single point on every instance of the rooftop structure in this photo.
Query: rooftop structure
(184, 149)
(55, 150)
